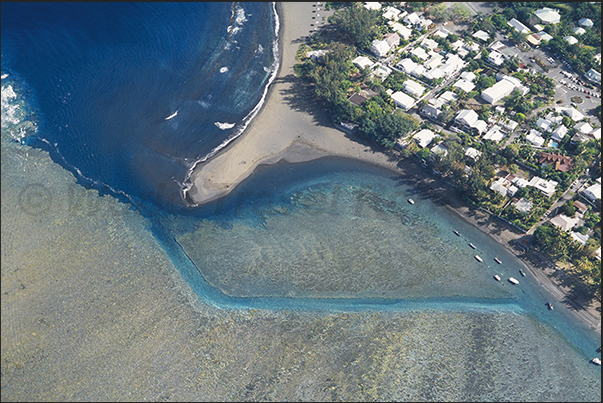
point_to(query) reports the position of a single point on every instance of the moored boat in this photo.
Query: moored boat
(457, 233)
(549, 305)
(513, 280)
(522, 272)
(497, 260)
(479, 259)
(411, 201)
(472, 246)
(497, 277)
(596, 361)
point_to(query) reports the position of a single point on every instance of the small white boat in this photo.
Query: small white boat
(411, 201)
(472, 246)
(497, 260)
(479, 259)
(172, 115)
(513, 280)
(522, 272)
(456, 232)
(596, 361)
(550, 306)
(497, 277)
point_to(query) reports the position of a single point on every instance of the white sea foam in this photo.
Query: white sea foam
(239, 19)
(172, 115)
(187, 183)
(224, 126)
(223, 69)
(260, 49)
(4, 76)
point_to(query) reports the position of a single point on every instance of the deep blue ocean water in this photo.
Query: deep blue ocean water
(99, 82)
(106, 76)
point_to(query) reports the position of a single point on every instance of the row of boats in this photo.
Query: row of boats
(512, 280)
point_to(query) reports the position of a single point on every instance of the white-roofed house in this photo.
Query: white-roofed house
(578, 237)
(496, 58)
(420, 53)
(468, 75)
(504, 187)
(579, 31)
(519, 27)
(564, 222)
(424, 137)
(381, 71)
(494, 134)
(480, 126)
(401, 30)
(501, 89)
(442, 33)
(402, 100)
(413, 88)
(544, 36)
(520, 182)
(435, 59)
(570, 39)
(559, 133)
(523, 205)
(584, 127)
(546, 187)
(464, 85)
(481, 35)
(362, 62)
(392, 13)
(473, 153)
(466, 118)
(573, 114)
(544, 124)
(372, 5)
(412, 19)
(380, 48)
(407, 65)
(593, 75)
(548, 15)
(592, 192)
(586, 22)
(596, 133)
(439, 149)
(535, 138)
(429, 43)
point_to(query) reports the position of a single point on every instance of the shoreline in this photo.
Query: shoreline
(290, 126)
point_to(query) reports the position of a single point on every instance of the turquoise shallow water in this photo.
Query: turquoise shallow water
(336, 236)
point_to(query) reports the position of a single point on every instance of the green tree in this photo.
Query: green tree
(357, 25)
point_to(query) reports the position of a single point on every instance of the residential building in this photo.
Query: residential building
(583, 127)
(357, 99)
(412, 19)
(424, 137)
(592, 192)
(571, 40)
(494, 134)
(420, 53)
(579, 31)
(564, 222)
(586, 22)
(518, 26)
(496, 58)
(381, 71)
(544, 124)
(523, 205)
(372, 5)
(473, 153)
(439, 149)
(401, 30)
(413, 88)
(402, 100)
(593, 75)
(407, 65)
(380, 48)
(466, 118)
(535, 138)
(546, 187)
(578, 237)
(596, 133)
(362, 62)
(548, 15)
(504, 187)
(392, 39)
(559, 133)
(392, 13)
(502, 89)
(464, 85)
(573, 114)
(562, 163)
(581, 208)
(544, 36)
(482, 36)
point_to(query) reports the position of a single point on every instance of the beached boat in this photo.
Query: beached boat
(411, 201)
(497, 260)
(549, 305)
(479, 259)
(497, 277)
(472, 246)
(596, 361)
(513, 280)
(522, 272)
(457, 233)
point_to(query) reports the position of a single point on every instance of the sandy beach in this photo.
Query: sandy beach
(293, 127)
